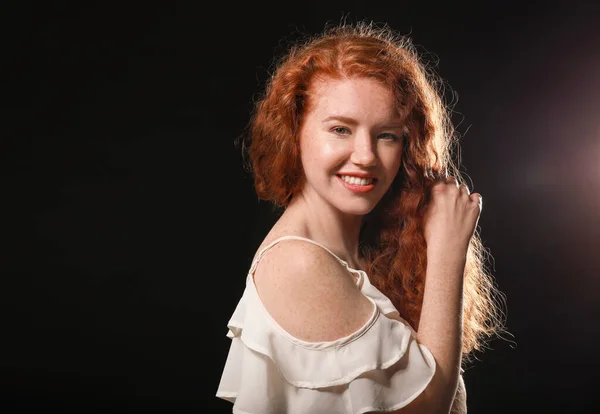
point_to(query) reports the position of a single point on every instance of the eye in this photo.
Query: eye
(389, 137)
(340, 130)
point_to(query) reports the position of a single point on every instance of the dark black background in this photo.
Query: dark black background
(130, 222)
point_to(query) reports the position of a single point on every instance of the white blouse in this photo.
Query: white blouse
(380, 367)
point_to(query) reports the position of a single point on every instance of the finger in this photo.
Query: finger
(451, 180)
(465, 189)
(476, 198)
(443, 180)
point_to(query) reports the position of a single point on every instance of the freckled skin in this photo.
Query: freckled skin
(369, 141)
(309, 294)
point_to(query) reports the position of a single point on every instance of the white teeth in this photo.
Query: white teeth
(356, 180)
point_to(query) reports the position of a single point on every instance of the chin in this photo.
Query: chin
(357, 210)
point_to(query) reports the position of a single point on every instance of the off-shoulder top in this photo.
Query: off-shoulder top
(379, 367)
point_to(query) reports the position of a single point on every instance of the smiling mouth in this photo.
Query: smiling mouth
(357, 180)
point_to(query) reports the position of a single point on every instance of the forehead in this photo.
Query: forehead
(351, 96)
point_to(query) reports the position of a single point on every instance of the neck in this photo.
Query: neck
(324, 224)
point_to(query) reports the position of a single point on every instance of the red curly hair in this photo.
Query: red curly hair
(391, 238)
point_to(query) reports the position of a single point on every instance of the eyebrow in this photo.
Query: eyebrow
(352, 121)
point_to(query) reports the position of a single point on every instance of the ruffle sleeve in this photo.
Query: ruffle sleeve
(379, 367)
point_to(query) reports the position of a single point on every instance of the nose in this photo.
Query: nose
(362, 152)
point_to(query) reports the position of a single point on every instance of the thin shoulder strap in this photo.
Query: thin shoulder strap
(274, 242)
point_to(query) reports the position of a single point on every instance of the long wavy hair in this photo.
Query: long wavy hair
(391, 238)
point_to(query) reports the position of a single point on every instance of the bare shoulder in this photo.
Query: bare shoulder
(309, 293)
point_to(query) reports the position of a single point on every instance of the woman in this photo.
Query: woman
(370, 290)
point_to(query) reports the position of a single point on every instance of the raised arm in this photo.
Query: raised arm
(440, 326)
(450, 223)
(459, 406)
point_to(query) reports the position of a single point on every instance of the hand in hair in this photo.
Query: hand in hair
(451, 218)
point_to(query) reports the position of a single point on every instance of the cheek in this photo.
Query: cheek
(322, 154)
(398, 161)
(392, 160)
(331, 153)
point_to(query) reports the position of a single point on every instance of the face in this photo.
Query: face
(350, 144)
